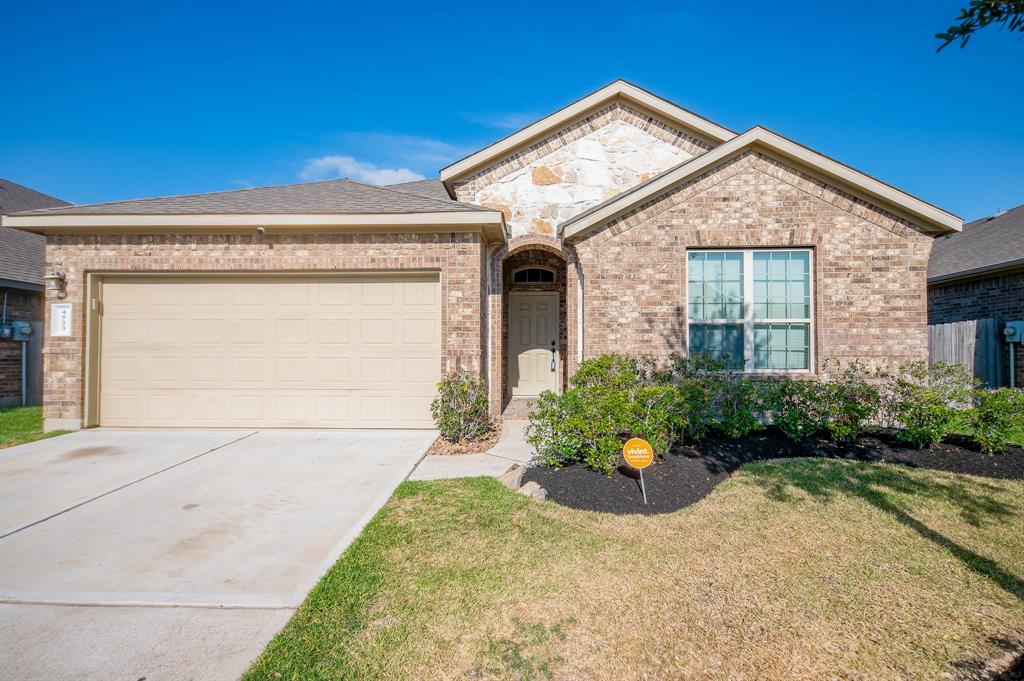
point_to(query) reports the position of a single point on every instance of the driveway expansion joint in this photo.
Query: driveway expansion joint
(124, 486)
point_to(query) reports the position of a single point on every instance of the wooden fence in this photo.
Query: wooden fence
(973, 344)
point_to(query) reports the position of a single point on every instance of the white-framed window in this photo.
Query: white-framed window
(752, 308)
(533, 275)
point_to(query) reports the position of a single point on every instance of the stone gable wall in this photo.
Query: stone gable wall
(579, 166)
(458, 257)
(868, 277)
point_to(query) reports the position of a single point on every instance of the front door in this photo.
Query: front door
(532, 343)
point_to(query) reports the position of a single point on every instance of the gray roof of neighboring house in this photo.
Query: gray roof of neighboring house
(22, 254)
(331, 196)
(988, 244)
(430, 188)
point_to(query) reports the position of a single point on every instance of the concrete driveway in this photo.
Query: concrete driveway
(158, 554)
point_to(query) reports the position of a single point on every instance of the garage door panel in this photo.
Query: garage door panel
(270, 351)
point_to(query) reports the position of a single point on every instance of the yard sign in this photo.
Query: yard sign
(639, 454)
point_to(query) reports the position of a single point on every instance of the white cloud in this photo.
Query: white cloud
(332, 167)
(401, 150)
(506, 120)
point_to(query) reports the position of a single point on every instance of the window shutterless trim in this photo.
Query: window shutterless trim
(748, 321)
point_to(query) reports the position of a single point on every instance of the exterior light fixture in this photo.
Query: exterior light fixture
(56, 281)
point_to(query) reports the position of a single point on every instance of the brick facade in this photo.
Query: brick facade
(458, 257)
(625, 280)
(1000, 297)
(869, 265)
(24, 306)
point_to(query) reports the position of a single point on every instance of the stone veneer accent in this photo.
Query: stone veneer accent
(999, 296)
(584, 163)
(458, 257)
(869, 265)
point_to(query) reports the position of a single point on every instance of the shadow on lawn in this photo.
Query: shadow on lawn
(880, 487)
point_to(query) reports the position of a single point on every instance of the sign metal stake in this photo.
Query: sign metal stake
(639, 454)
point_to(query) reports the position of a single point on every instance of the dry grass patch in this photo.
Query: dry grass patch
(802, 569)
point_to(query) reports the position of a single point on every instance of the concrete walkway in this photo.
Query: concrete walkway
(174, 555)
(511, 449)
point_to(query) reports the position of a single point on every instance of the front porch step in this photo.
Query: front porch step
(518, 408)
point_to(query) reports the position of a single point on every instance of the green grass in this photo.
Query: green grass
(801, 569)
(19, 425)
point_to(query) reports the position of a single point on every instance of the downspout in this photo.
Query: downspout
(491, 250)
(24, 373)
(579, 313)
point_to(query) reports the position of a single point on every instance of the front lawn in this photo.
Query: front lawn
(19, 425)
(797, 569)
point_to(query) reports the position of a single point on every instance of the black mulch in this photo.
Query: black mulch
(689, 474)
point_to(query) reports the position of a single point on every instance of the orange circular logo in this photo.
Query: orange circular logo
(638, 453)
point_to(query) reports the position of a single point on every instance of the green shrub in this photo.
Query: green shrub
(612, 399)
(995, 417)
(735, 404)
(797, 407)
(713, 397)
(849, 401)
(924, 403)
(460, 409)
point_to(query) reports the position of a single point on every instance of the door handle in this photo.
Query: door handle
(553, 355)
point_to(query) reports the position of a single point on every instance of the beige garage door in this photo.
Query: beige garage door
(284, 351)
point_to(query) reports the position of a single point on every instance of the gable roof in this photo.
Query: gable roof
(986, 245)
(15, 198)
(329, 196)
(931, 217)
(433, 189)
(618, 89)
(328, 203)
(22, 255)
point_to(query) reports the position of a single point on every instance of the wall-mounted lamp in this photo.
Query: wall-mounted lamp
(56, 281)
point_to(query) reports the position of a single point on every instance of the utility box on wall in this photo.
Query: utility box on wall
(22, 331)
(1014, 331)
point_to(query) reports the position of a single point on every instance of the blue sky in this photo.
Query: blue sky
(108, 101)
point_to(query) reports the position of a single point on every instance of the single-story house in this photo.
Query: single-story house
(620, 223)
(22, 256)
(979, 274)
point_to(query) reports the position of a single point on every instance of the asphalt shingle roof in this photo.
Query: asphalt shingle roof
(983, 244)
(433, 189)
(22, 254)
(331, 196)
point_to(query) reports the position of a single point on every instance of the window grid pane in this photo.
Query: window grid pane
(781, 346)
(782, 285)
(715, 285)
(533, 275)
(720, 341)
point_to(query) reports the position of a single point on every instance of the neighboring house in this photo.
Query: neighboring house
(21, 297)
(979, 274)
(620, 223)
